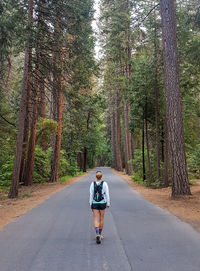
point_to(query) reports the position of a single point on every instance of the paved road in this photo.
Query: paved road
(58, 235)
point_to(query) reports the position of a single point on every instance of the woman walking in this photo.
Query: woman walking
(99, 201)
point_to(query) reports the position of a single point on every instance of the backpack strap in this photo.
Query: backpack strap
(95, 185)
(101, 184)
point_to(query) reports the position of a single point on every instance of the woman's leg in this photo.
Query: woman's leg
(101, 222)
(96, 218)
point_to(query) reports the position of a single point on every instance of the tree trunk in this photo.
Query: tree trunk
(80, 161)
(133, 145)
(127, 140)
(128, 145)
(162, 144)
(57, 144)
(28, 176)
(22, 115)
(143, 153)
(157, 126)
(57, 103)
(27, 118)
(148, 154)
(85, 152)
(156, 91)
(112, 127)
(166, 158)
(180, 183)
(118, 132)
(42, 99)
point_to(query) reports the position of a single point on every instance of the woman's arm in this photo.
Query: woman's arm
(91, 193)
(107, 193)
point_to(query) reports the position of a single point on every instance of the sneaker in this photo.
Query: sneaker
(101, 236)
(98, 239)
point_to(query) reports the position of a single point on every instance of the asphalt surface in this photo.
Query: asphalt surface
(58, 235)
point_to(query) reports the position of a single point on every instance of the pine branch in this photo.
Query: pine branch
(148, 14)
(7, 121)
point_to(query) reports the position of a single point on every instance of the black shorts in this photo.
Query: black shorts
(99, 206)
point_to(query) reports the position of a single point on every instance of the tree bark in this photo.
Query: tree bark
(143, 153)
(179, 175)
(28, 176)
(42, 99)
(156, 124)
(128, 145)
(133, 145)
(118, 132)
(112, 128)
(85, 152)
(80, 161)
(127, 140)
(57, 144)
(13, 193)
(57, 102)
(166, 158)
(148, 153)
(27, 118)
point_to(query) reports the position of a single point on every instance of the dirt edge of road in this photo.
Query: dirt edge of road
(186, 208)
(30, 197)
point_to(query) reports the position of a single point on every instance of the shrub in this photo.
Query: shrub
(193, 162)
(137, 178)
(6, 173)
(72, 169)
(64, 165)
(42, 165)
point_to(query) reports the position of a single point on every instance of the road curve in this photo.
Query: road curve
(58, 235)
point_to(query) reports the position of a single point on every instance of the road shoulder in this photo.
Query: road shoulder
(185, 208)
(30, 197)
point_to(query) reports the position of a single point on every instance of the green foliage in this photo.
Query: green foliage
(46, 128)
(6, 173)
(42, 165)
(137, 178)
(138, 169)
(193, 161)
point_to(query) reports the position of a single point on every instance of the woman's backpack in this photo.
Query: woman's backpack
(98, 195)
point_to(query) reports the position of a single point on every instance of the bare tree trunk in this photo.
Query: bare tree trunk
(28, 176)
(166, 158)
(128, 145)
(133, 145)
(180, 182)
(57, 102)
(148, 154)
(157, 126)
(28, 116)
(85, 152)
(127, 140)
(118, 132)
(143, 153)
(112, 127)
(22, 115)
(42, 99)
(80, 161)
(57, 145)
